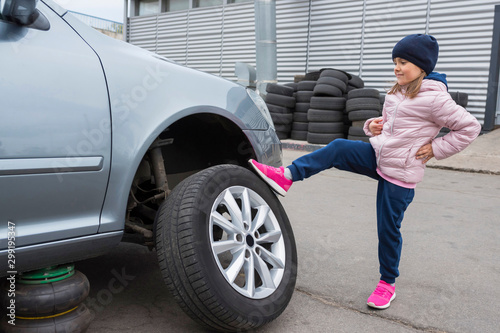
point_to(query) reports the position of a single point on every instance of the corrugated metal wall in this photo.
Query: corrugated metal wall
(172, 36)
(336, 31)
(238, 37)
(464, 30)
(353, 35)
(386, 23)
(211, 39)
(292, 31)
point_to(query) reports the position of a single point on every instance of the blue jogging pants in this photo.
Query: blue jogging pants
(392, 200)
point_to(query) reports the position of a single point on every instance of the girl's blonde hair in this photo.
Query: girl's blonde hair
(411, 89)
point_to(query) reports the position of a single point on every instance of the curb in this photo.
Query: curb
(468, 170)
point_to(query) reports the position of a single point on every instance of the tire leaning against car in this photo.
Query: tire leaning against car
(226, 249)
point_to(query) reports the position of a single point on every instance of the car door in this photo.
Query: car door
(55, 138)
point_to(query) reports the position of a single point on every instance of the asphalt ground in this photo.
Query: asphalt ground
(450, 266)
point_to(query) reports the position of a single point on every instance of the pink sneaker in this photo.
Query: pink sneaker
(275, 177)
(382, 296)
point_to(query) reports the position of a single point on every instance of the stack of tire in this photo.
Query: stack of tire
(361, 105)
(326, 109)
(355, 82)
(280, 101)
(292, 85)
(48, 300)
(305, 91)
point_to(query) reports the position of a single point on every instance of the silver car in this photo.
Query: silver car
(103, 142)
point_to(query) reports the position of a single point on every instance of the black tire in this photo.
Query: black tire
(301, 107)
(282, 118)
(443, 132)
(278, 109)
(306, 85)
(274, 88)
(328, 128)
(460, 98)
(299, 135)
(362, 103)
(280, 100)
(322, 138)
(357, 131)
(312, 76)
(50, 298)
(328, 103)
(327, 90)
(303, 96)
(283, 128)
(356, 82)
(358, 123)
(188, 228)
(358, 138)
(283, 135)
(328, 116)
(76, 321)
(293, 85)
(350, 88)
(333, 81)
(336, 74)
(367, 92)
(382, 101)
(300, 117)
(363, 114)
(300, 126)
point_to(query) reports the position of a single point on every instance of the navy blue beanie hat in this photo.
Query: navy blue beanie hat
(421, 50)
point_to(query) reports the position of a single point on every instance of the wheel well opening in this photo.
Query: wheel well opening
(201, 141)
(189, 145)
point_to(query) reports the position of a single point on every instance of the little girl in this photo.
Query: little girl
(401, 142)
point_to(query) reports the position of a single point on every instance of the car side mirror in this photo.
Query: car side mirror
(24, 13)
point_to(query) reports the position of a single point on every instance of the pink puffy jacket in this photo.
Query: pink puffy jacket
(408, 124)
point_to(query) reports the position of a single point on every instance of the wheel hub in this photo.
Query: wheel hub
(250, 240)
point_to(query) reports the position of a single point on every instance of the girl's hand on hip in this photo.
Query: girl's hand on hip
(375, 126)
(425, 153)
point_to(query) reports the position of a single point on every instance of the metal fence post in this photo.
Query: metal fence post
(265, 43)
(493, 88)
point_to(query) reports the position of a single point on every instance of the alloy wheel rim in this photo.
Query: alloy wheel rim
(247, 242)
